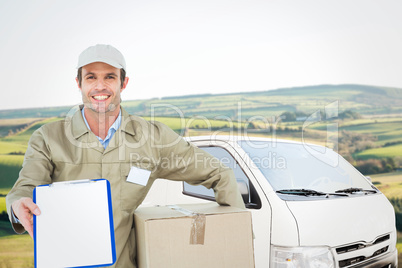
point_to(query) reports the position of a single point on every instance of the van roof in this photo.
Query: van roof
(237, 138)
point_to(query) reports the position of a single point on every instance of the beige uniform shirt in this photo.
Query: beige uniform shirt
(67, 150)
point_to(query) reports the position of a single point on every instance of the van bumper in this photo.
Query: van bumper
(389, 260)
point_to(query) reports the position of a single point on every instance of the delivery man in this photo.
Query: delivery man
(99, 139)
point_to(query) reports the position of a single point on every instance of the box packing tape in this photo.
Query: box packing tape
(197, 227)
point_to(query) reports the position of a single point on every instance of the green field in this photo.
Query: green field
(367, 100)
(384, 152)
(2, 204)
(389, 184)
(22, 138)
(4, 191)
(9, 147)
(10, 166)
(16, 251)
(363, 99)
(8, 126)
(384, 131)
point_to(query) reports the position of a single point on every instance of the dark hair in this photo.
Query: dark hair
(122, 76)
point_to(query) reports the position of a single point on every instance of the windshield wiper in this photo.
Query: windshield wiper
(307, 192)
(304, 192)
(352, 190)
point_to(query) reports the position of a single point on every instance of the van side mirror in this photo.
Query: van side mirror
(244, 191)
(249, 195)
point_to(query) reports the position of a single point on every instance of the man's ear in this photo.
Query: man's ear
(78, 83)
(124, 84)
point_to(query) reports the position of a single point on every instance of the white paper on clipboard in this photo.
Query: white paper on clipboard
(75, 228)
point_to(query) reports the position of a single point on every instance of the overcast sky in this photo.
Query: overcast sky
(181, 47)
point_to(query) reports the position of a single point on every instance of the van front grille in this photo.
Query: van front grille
(350, 248)
(382, 239)
(351, 261)
(361, 245)
(362, 251)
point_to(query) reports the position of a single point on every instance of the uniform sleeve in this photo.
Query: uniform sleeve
(181, 161)
(36, 170)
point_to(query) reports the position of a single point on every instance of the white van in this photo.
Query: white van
(310, 207)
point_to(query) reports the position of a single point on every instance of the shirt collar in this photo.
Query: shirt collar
(114, 127)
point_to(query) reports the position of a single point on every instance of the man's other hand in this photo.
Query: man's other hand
(23, 209)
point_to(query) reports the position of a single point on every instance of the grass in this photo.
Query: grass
(399, 247)
(9, 147)
(385, 131)
(368, 100)
(380, 153)
(10, 166)
(14, 125)
(4, 191)
(390, 184)
(3, 204)
(23, 137)
(365, 121)
(268, 103)
(388, 129)
(16, 251)
(16, 121)
(12, 160)
(6, 229)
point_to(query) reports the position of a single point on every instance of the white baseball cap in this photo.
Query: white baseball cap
(102, 53)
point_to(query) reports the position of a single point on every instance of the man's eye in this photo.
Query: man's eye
(90, 77)
(110, 77)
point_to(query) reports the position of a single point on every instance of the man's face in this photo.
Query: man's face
(101, 87)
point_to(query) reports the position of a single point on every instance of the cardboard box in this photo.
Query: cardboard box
(196, 235)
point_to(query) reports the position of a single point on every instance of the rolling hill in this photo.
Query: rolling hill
(366, 100)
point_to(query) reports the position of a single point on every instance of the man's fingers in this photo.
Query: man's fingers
(32, 206)
(28, 225)
(24, 209)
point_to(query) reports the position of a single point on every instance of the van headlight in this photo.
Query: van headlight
(299, 257)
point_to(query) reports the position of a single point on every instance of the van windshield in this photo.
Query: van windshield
(289, 166)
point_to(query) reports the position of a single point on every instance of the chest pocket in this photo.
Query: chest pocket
(131, 193)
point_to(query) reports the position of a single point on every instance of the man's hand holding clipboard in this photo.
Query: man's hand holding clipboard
(23, 210)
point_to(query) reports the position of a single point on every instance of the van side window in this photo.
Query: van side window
(227, 159)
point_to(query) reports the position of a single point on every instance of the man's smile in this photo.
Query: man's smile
(100, 97)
